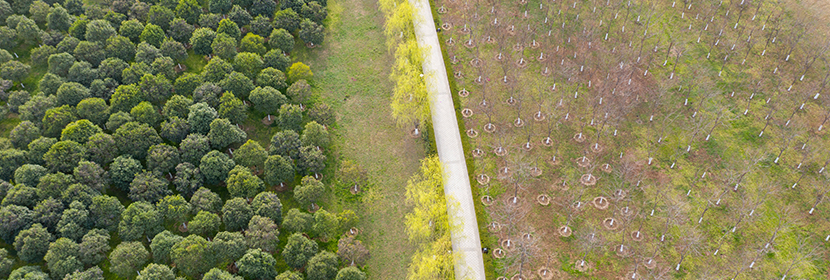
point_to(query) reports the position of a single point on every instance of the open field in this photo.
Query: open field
(351, 75)
(646, 140)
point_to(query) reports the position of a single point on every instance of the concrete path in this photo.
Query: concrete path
(466, 243)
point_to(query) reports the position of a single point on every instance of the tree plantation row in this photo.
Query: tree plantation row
(645, 140)
(168, 140)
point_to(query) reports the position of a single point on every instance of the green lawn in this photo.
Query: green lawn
(351, 71)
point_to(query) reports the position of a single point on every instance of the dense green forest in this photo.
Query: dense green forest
(167, 140)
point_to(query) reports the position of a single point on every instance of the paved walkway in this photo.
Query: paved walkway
(466, 242)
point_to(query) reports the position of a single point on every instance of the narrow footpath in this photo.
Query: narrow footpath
(466, 243)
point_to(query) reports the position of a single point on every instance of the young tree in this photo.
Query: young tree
(188, 178)
(229, 28)
(181, 31)
(105, 212)
(215, 167)
(242, 183)
(201, 40)
(63, 156)
(267, 99)
(311, 32)
(62, 258)
(159, 16)
(93, 109)
(29, 174)
(177, 106)
(322, 266)
(173, 49)
(288, 19)
(101, 148)
(352, 251)
(140, 219)
(239, 15)
(326, 224)
(205, 223)
(58, 19)
(59, 64)
(309, 191)
(236, 213)
(99, 30)
(127, 258)
(228, 247)
(156, 272)
(156, 88)
(33, 243)
(189, 10)
(316, 135)
(79, 131)
(250, 154)
(223, 134)
(174, 208)
(192, 255)
(256, 264)
(146, 53)
(94, 247)
(311, 160)
(281, 39)
(200, 117)
(148, 187)
(299, 91)
(231, 108)
(162, 244)
(276, 59)
(261, 25)
(224, 46)
(290, 117)
(262, 234)
(194, 147)
(74, 221)
(350, 273)
(21, 195)
(162, 158)
(298, 250)
(92, 52)
(135, 139)
(218, 274)
(126, 97)
(91, 174)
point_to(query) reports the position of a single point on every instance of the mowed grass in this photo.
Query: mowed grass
(351, 71)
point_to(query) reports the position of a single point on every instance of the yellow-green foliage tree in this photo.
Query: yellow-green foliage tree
(410, 100)
(428, 224)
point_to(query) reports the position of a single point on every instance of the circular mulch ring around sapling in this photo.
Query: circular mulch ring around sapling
(511, 101)
(622, 251)
(521, 63)
(579, 137)
(501, 278)
(583, 162)
(467, 112)
(650, 263)
(499, 57)
(494, 227)
(637, 235)
(610, 224)
(543, 199)
(355, 189)
(547, 142)
(545, 273)
(606, 168)
(487, 200)
(581, 265)
(352, 231)
(632, 275)
(313, 208)
(463, 92)
(182, 227)
(500, 151)
(465, 30)
(475, 62)
(482, 179)
(504, 173)
(454, 59)
(451, 42)
(508, 244)
(477, 153)
(518, 47)
(515, 200)
(539, 116)
(577, 205)
(518, 277)
(446, 26)
(519, 122)
(281, 187)
(562, 187)
(472, 133)
(535, 45)
(310, 45)
(535, 171)
(498, 253)
(588, 180)
(415, 133)
(489, 128)
(601, 203)
(626, 211)
(564, 231)
(542, 57)
(527, 236)
(619, 194)
(527, 146)
(470, 43)
(510, 30)
(545, 72)
(596, 148)
(442, 10)
(458, 75)
(553, 161)
(269, 120)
